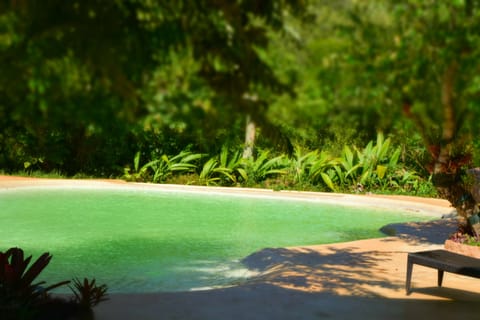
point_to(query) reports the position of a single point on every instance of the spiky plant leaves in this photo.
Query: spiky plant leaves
(340, 174)
(17, 279)
(321, 165)
(53, 286)
(392, 163)
(300, 165)
(225, 172)
(208, 167)
(383, 147)
(351, 164)
(138, 173)
(262, 167)
(231, 166)
(348, 158)
(366, 177)
(87, 293)
(224, 156)
(206, 176)
(165, 166)
(36, 268)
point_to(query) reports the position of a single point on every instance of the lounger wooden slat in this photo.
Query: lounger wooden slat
(443, 261)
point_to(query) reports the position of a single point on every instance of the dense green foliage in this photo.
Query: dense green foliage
(375, 167)
(157, 90)
(84, 83)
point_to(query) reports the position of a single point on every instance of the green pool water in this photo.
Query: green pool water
(148, 241)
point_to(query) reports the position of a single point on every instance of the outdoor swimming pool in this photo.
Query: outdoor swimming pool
(138, 240)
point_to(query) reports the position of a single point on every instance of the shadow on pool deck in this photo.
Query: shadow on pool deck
(347, 268)
(339, 271)
(358, 280)
(265, 301)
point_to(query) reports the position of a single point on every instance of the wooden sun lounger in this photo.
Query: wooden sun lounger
(442, 260)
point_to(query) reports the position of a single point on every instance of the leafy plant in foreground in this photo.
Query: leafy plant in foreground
(21, 297)
(18, 291)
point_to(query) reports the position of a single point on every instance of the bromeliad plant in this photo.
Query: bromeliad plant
(23, 297)
(18, 289)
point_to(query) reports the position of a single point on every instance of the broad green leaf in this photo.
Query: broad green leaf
(348, 156)
(381, 170)
(243, 173)
(328, 181)
(136, 161)
(366, 176)
(192, 157)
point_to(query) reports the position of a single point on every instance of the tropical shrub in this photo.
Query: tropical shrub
(322, 171)
(159, 170)
(87, 293)
(165, 166)
(137, 174)
(370, 167)
(212, 173)
(299, 165)
(262, 167)
(225, 169)
(234, 162)
(376, 167)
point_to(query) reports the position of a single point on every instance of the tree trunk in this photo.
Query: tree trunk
(249, 138)
(448, 177)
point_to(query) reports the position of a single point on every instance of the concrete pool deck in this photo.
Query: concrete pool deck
(362, 279)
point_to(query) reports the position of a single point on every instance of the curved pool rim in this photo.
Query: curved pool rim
(436, 208)
(416, 207)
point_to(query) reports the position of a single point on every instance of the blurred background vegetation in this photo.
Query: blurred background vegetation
(342, 95)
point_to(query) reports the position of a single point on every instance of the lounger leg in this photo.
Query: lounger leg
(409, 276)
(440, 277)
